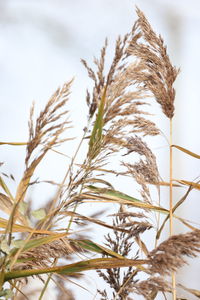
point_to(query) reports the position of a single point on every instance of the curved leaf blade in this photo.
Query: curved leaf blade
(109, 195)
(96, 135)
(94, 247)
(187, 151)
(92, 264)
(13, 143)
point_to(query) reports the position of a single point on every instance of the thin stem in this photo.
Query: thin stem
(171, 183)
(76, 205)
(47, 281)
(53, 204)
(45, 286)
(71, 164)
(171, 205)
(125, 283)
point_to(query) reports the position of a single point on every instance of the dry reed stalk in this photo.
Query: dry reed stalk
(171, 203)
(158, 76)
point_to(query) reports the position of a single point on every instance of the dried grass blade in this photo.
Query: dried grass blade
(141, 205)
(16, 227)
(99, 180)
(195, 185)
(173, 210)
(187, 224)
(113, 195)
(6, 204)
(21, 191)
(13, 143)
(5, 188)
(164, 183)
(142, 245)
(98, 222)
(192, 291)
(22, 228)
(187, 151)
(92, 264)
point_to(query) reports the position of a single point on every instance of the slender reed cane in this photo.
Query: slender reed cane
(171, 206)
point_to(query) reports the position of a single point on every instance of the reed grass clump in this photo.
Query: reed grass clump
(55, 241)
